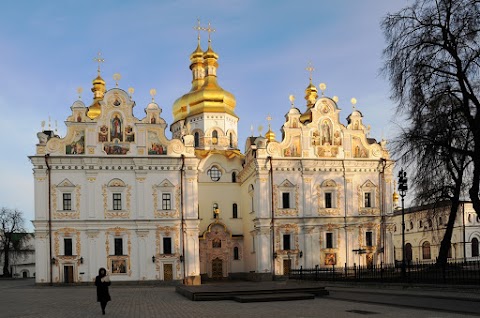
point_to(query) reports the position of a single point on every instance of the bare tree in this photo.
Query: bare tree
(432, 55)
(12, 228)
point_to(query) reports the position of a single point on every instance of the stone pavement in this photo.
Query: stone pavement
(20, 298)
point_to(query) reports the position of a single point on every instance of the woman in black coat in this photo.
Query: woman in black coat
(102, 281)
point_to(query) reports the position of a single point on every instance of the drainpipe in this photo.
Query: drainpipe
(464, 238)
(273, 218)
(345, 217)
(181, 213)
(47, 156)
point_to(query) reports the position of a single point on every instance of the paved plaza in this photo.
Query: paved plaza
(20, 298)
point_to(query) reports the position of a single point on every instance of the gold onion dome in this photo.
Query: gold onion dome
(206, 95)
(395, 196)
(270, 135)
(98, 91)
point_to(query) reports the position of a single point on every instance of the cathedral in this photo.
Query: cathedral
(117, 192)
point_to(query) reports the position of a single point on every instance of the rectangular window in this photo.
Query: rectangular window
(234, 211)
(67, 244)
(368, 200)
(286, 241)
(118, 246)
(329, 240)
(369, 238)
(117, 201)
(286, 200)
(328, 200)
(167, 245)
(67, 201)
(166, 201)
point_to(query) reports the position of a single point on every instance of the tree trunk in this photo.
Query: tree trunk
(6, 264)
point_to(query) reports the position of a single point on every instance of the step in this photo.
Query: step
(272, 297)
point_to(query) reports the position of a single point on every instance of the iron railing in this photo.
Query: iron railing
(454, 273)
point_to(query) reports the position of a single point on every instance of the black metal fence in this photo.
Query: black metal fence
(454, 273)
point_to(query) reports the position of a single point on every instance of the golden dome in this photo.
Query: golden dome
(395, 196)
(270, 135)
(206, 95)
(98, 91)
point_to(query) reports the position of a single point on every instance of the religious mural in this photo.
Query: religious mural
(326, 133)
(116, 148)
(116, 128)
(295, 149)
(119, 266)
(129, 134)
(330, 259)
(103, 134)
(77, 146)
(155, 147)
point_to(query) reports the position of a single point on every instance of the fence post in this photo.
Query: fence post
(355, 271)
(316, 272)
(301, 272)
(381, 272)
(333, 271)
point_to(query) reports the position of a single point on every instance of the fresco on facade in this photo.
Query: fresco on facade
(119, 266)
(116, 128)
(326, 133)
(330, 259)
(103, 134)
(129, 134)
(116, 148)
(77, 146)
(155, 147)
(295, 149)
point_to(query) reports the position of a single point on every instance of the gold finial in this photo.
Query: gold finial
(335, 99)
(198, 28)
(210, 30)
(116, 78)
(99, 59)
(353, 101)
(251, 129)
(49, 123)
(260, 129)
(79, 92)
(153, 92)
(269, 118)
(292, 99)
(310, 69)
(131, 90)
(322, 87)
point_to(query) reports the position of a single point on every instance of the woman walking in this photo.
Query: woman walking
(102, 281)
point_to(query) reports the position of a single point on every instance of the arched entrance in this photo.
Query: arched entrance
(217, 251)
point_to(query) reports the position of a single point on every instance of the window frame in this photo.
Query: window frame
(167, 245)
(67, 202)
(118, 246)
(329, 240)
(67, 248)
(166, 202)
(117, 201)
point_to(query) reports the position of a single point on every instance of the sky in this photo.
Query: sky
(47, 51)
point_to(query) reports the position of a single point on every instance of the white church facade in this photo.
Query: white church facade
(116, 192)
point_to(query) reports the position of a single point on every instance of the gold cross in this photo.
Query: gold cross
(310, 69)
(198, 28)
(209, 30)
(269, 118)
(99, 59)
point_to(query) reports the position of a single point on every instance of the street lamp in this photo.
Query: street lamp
(402, 188)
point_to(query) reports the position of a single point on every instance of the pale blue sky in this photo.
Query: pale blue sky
(47, 50)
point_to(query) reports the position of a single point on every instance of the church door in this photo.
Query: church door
(286, 266)
(217, 270)
(167, 272)
(68, 274)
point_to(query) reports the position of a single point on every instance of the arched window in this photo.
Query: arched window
(234, 176)
(231, 140)
(474, 247)
(215, 210)
(426, 250)
(234, 211)
(236, 255)
(408, 253)
(196, 139)
(214, 137)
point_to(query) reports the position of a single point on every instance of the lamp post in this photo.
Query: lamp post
(402, 188)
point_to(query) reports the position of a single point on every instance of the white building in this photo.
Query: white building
(117, 192)
(21, 261)
(425, 228)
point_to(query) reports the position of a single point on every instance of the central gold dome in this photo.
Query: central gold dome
(206, 95)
